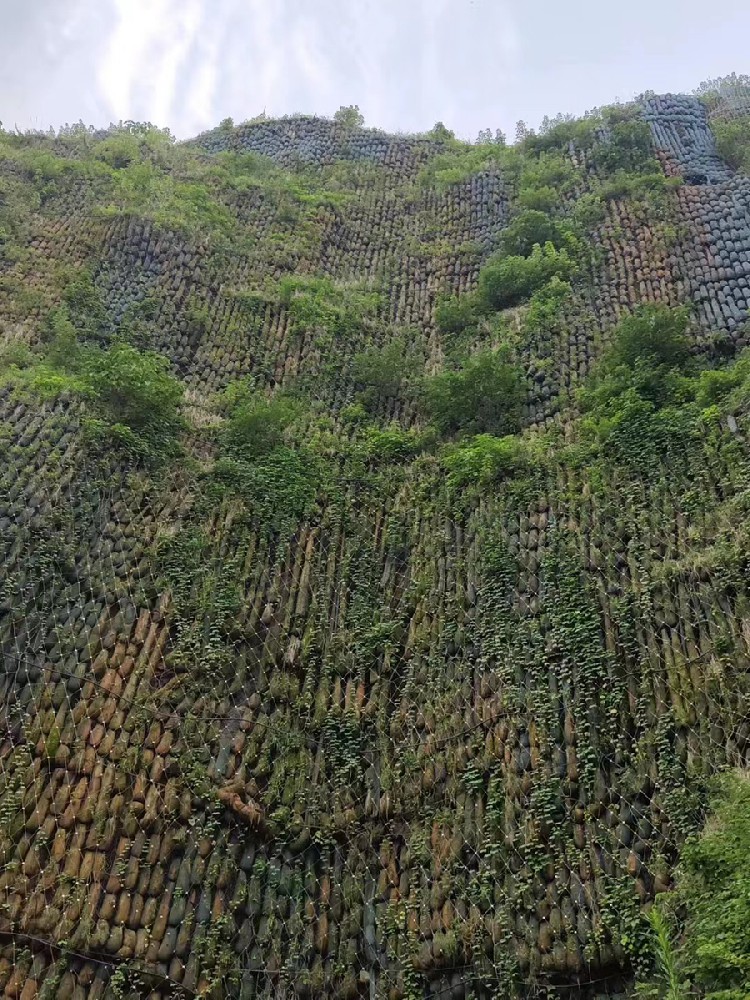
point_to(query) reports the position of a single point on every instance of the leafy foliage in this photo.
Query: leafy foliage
(319, 303)
(701, 932)
(648, 350)
(483, 396)
(460, 161)
(733, 142)
(714, 889)
(482, 459)
(546, 305)
(280, 487)
(349, 116)
(654, 335)
(529, 228)
(133, 398)
(543, 180)
(382, 372)
(256, 425)
(507, 281)
(455, 314)
(136, 387)
(390, 444)
(640, 385)
(627, 147)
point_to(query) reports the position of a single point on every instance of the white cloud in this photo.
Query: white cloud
(407, 63)
(189, 63)
(145, 64)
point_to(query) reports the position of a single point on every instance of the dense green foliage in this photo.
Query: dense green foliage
(382, 373)
(650, 397)
(627, 146)
(418, 627)
(714, 892)
(349, 116)
(636, 394)
(707, 953)
(529, 228)
(482, 397)
(135, 389)
(733, 142)
(319, 303)
(255, 424)
(280, 487)
(133, 399)
(483, 459)
(508, 281)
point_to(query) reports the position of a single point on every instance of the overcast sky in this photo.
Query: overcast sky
(472, 64)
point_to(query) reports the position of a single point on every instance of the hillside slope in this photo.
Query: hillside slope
(350, 651)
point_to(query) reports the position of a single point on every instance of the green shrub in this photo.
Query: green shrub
(354, 414)
(85, 306)
(558, 133)
(539, 199)
(627, 147)
(507, 281)
(460, 162)
(622, 184)
(482, 459)
(146, 190)
(456, 314)
(133, 400)
(638, 433)
(587, 210)
(544, 180)
(733, 142)
(637, 400)
(709, 911)
(714, 887)
(280, 487)
(382, 372)
(137, 391)
(714, 385)
(654, 335)
(390, 444)
(546, 305)
(318, 303)
(256, 426)
(529, 228)
(484, 396)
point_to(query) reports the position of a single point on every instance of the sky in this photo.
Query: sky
(472, 64)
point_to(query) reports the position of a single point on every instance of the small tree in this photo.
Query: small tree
(483, 397)
(507, 281)
(522, 131)
(529, 228)
(256, 424)
(350, 116)
(382, 371)
(441, 133)
(654, 335)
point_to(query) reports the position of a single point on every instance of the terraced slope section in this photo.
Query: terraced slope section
(372, 610)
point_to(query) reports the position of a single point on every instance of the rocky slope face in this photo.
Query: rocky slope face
(308, 719)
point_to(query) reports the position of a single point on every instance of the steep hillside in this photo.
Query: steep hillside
(374, 598)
